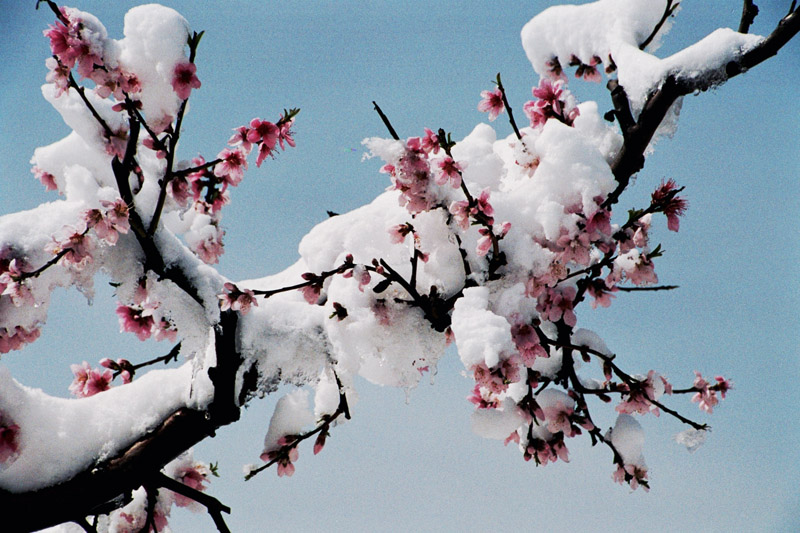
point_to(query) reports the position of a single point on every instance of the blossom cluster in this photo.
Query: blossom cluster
(143, 316)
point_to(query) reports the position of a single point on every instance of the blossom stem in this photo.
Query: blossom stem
(508, 107)
(386, 122)
(669, 9)
(82, 93)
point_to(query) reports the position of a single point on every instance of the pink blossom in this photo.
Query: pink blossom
(555, 304)
(12, 283)
(398, 232)
(136, 321)
(482, 398)
(492, 103)
(450, 171)
(116, 143)
(554, 70)
(666, 200)
(360, 274)
(430, 142)
(283, 457)
(599, 222)
(639, 398)
(723, 386)
(319, 443)
(634, 475)
(9, 439)
(236, 299)
(460, 211)
(240, 139)
(588, 72)
(231, 168)
(285, 134)
(184, 79)
(47, 179)
(193, 476)
(75, 250)
(705, 396)
(643, 272)
(211, 248)
(89, 381)
(484, 242)
(178, 189)
(558, 418)
(527, 342)
(109, 223)
(312, 291)
(576, 248)
(267, 134)
(165, 330)
(602, 295)
(16, 338)
(58, 75)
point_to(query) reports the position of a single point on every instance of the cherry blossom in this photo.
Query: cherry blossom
(236, 299)
(47, 179)
(135, 320)
(231, 168)
(398, 232)
(89, 381)
(266, 133)
(240, 139)
(492, 103)
(527, 342)
(665, 199)
(450, 171)
(75, 249)
(184, 79)
(430, 142)
(285, 133)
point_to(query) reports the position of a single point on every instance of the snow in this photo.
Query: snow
(614, 29)
(627, 436)
(84, 430)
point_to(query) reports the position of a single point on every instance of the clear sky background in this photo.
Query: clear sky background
(412, 463)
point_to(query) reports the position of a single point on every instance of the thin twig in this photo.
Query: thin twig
(508, 107)
(386, 122)
(668, 10)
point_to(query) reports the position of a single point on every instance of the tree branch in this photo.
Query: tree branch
(749, 13)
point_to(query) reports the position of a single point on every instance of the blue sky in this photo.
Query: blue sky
(416, 465)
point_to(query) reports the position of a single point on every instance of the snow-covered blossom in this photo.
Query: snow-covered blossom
(634, 475)
(75, 249)
(237, 299)
(9, 439)
(109, 223)
(135, 320)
